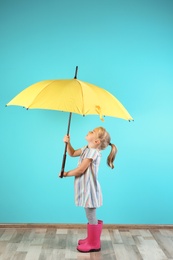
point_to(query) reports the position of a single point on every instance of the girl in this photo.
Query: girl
(87, 188)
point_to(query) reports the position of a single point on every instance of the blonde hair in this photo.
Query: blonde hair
(105, 139)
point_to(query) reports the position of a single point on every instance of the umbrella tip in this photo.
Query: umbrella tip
(76, 71)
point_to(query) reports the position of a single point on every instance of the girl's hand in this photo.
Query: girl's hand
(64, 174)
(66, 139)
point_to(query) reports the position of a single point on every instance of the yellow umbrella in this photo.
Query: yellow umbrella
(71, 95)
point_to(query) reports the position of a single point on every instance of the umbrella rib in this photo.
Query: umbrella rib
(82, 94)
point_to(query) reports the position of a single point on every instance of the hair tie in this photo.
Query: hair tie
(110, 144)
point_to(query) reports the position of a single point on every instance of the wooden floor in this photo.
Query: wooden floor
(52, 243)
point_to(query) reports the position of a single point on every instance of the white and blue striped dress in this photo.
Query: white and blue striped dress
(87, 188)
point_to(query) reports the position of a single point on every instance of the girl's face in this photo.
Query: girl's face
(92, 136)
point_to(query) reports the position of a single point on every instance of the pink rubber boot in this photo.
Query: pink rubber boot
(83, 241)
(93, 241)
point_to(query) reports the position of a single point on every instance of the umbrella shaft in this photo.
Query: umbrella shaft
(69, 121)
(75, 77)
(65, 150)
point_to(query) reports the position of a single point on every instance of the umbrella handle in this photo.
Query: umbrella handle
(65, 150)
(63, 161)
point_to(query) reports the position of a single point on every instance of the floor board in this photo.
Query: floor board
(53, 243)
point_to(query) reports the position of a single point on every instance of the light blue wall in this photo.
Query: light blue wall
(125, 47)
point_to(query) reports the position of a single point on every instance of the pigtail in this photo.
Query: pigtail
(104, 138)
(112, 155)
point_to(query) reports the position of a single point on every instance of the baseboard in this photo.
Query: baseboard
(83, 226)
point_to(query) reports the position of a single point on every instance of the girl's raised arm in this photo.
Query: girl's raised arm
(70, 150)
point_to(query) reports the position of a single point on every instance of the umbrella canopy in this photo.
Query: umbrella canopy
(71, 95)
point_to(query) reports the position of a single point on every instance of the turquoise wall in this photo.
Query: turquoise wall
(125, 47)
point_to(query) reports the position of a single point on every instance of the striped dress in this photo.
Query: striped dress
(87, 188)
